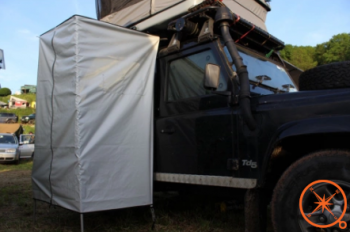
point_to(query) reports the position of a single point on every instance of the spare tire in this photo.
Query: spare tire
(329, 76)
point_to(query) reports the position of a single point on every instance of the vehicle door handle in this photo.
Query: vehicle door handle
(167, 131)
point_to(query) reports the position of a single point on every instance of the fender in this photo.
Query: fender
(331, 124)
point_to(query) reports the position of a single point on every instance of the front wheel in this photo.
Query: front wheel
(325, 165)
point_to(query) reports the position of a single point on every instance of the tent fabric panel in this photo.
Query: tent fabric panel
(52, 161)
(253, 6)
(243, 12)
(130, 14)
(159, 5)
(64, 76)
(125, 85)
(105, 8)
(101, 77)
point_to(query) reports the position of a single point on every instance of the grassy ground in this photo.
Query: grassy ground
(28, 128)
(175, 213)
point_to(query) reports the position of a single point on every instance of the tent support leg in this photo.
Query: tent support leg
(153, 217)
(82, 222)
(34, 209)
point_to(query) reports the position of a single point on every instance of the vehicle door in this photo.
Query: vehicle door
(193, 124)
(26, 147)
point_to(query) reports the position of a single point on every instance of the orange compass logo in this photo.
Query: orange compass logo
(324, 204)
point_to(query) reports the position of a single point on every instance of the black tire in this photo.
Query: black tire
(330, 76)
(323, 165)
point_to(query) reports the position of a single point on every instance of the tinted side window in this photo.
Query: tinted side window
(186, 76)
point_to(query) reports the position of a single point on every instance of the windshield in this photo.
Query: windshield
(264, 73)
(7, 139)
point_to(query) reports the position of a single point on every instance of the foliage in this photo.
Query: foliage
(300, 56)
(336, 49)
(24, 165)
(306, 57)
(5, 92)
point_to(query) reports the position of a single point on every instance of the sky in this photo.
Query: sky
(297, 22)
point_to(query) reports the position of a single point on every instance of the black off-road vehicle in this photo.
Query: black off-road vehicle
(229, 116)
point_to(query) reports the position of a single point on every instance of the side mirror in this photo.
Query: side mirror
(211, 76)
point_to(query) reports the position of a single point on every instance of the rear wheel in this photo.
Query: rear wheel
(324, 165)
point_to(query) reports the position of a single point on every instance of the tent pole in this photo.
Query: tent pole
(34, 210)
(153, 217)
(82, 222)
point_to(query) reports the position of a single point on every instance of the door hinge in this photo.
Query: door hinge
(233, 164)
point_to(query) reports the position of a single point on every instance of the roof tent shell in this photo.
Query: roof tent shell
(145, 14)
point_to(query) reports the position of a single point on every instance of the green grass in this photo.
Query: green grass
(175, 213)
(23, 165)
(28, 128)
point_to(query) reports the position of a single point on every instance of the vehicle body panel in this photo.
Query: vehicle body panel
(8, 117)
(201, 135)
(28, 118)
(9, 150)
(26, 147)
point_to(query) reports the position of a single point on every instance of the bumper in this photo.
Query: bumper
(24, 120)
(8, 157)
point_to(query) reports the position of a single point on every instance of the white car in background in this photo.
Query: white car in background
(9, 148)
(26, 147)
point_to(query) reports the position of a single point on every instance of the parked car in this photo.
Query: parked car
(8, 118)
(9, 148)
(26, 147)
(30, 119)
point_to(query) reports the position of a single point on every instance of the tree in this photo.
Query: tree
(335, 50)
(300, 56)
(5, 92)
(306, 57)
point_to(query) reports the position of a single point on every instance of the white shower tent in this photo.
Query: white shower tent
(129, 12)
(94, 118)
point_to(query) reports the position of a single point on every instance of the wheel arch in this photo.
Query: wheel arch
(297, 139)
